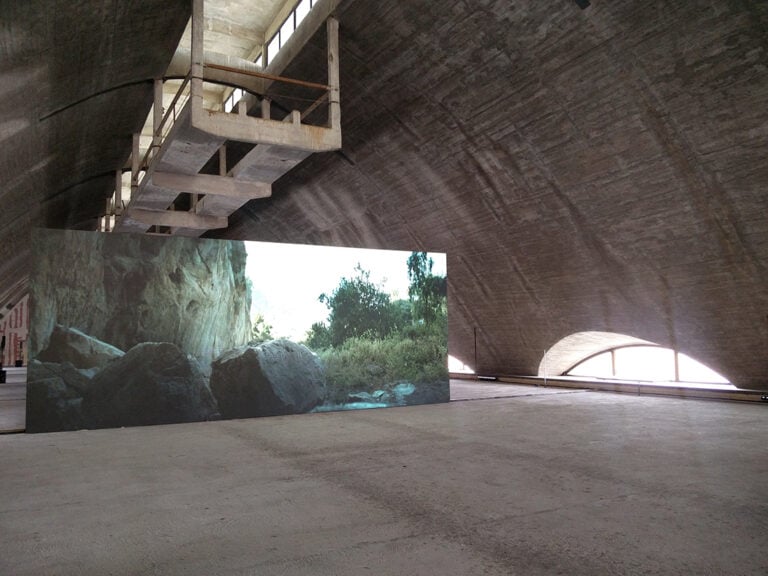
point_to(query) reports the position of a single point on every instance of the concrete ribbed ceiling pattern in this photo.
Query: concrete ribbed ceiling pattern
(585, 170)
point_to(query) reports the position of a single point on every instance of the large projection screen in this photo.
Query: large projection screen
(140, 330)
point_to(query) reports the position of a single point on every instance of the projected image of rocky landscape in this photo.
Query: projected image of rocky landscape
(141, 330)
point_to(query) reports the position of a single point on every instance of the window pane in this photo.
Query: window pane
(599, 366)
(693, 371)
(273, 48)
(260, 61)
(286, 30)
(645, 363)
(302, 10)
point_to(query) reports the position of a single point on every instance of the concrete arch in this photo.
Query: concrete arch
(574, 348)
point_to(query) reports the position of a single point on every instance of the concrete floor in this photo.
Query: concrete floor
(487, 390)
(13, 406)
(572, 483)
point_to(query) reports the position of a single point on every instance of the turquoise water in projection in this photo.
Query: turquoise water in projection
(352, 406)
(364, 401)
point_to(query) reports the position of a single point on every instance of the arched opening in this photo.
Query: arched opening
(457, 366)
(605, 355)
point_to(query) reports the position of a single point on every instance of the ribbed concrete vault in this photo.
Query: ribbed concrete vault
(598, 169)
(76, 82)
(586, 170)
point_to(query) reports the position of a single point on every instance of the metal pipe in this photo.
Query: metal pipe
(269, 76)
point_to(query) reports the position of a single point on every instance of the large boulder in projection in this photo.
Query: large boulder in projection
(154, 383)
(52, 406)
(277, 377)
(65, 371)
(54, 397)
(80, 350)
(126, 289)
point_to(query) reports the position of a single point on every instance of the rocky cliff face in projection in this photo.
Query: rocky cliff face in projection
(125, 290)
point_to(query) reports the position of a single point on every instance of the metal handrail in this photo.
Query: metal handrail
(159, 132)
(172, 107)
(268, 76)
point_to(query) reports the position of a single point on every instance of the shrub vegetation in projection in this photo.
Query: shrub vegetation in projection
(370, 342)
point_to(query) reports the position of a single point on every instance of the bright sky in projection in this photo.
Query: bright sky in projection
(287, 280)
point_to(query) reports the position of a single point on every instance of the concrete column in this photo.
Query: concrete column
(135, 165)
(196, 68)
(223, 160)
(677, 366)
(157, 112)
(118, 192)
(265, 108)
(334, 111)
(107, 215)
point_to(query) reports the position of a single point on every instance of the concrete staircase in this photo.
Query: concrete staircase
(170, 195)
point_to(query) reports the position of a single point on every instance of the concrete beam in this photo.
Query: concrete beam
(218, 205)
(187, 232)
(267, 163)
(180, 65)
(215, 185)
(124, 224)
(184, 150)
(259, 130)
(178, 219)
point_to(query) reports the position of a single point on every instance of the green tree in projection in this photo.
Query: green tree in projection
(260, 331)
(318, 337)
(426, 291)
(358, 309)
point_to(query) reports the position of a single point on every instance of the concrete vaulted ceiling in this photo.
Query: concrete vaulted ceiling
(600, 169)
(76, 84)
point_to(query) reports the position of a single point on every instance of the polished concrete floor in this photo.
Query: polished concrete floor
(576, 483)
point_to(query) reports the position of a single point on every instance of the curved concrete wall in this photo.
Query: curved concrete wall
(76, 83)
(585, 170)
